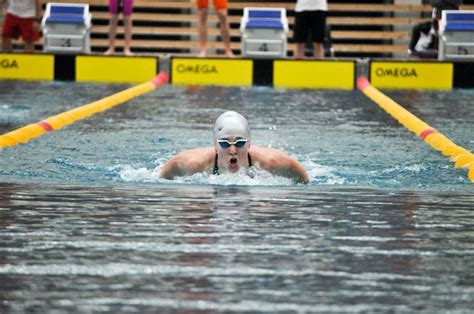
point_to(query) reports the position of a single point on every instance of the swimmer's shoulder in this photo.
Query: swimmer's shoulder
(189, 162)
(195, 158)
(260, 153)
(200, 153)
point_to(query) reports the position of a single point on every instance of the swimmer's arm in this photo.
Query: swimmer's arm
(188, 162)
(279, 163)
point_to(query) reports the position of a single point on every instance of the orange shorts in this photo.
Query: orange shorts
(218, 4)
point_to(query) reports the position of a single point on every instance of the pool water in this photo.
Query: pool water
(384, 225)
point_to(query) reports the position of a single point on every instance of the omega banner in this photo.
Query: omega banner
(411, 75)
(199, 71)
(338, 74)
(26, 67)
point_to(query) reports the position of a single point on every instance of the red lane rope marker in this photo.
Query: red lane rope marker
(427, 132)
(45, 125)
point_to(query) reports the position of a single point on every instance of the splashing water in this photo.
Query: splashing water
(251, 177)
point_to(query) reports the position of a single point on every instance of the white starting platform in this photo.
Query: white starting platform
(456, 35)
(66, 28)
(264, 32)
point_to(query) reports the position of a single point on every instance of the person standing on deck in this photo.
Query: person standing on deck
(127, 10)
(310, 17)
(221, 9)
(22, 19)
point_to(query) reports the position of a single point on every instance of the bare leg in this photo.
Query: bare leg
(202, 31)
(7, 44)
(112, 34)
(29, 47)
(224, 26)
(318, 50)
(299, 53)
(127, 20)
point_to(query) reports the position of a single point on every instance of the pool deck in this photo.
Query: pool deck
(331, 73)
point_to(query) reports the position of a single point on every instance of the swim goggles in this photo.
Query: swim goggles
(226, 144)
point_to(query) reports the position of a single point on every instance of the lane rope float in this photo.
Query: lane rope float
(462, 157)
(30, 131)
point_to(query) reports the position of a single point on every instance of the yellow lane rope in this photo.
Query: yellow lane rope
(462, 157)
(30, 131)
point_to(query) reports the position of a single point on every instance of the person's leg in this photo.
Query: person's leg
(417, 30)
(221, 10)
(127, 20)
(29, 30)
(415, 35)
(29, 47)
(318, 50)
(300, 34)
(202, 31)
(299, 52)
(318, 31)
(112, 34)
(113, 10)
(128, 24)
(7, 45)
(202, 6)
(224, 27)
(8, 32)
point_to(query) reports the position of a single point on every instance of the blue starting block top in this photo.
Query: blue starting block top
(264, 14)
(264, 24)
(66, 14)
(460, 21)
(459, 27)
(65, 19)
(460, 16)
(264, 19)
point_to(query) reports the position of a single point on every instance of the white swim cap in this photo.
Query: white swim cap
(231, 123)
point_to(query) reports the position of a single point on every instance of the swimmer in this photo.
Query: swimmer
(233, 151)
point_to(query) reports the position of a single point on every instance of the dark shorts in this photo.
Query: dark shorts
(309, 21)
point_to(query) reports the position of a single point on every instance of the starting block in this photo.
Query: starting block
(456, 35)
(66, 28)
(264, 32)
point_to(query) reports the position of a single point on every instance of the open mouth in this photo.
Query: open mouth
(233, 161)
